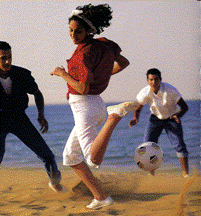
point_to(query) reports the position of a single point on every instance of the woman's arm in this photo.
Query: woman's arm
(82, 88)
(120, 63)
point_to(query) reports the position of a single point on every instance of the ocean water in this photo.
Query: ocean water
(122, 144)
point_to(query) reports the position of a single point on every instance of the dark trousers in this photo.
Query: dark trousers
(173, 130)
(20, 125)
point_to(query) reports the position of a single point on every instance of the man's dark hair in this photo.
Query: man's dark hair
(4, 45)
(154, 71)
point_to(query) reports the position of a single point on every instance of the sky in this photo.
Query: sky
(151, 34)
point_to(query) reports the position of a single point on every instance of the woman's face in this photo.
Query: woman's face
(77, 32)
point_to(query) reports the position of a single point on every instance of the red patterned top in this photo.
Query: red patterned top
(92, 62)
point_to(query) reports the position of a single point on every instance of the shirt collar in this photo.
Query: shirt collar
(160, 89)
(7, 74)
(85, 41)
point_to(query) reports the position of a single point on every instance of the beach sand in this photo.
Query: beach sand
(25, 191)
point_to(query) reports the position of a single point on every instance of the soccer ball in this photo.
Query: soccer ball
(149, 156)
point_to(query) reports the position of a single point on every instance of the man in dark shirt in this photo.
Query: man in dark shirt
(15, 84)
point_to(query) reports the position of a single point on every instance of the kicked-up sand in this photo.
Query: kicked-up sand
(25, 191)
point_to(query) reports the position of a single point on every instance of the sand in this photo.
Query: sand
(25, 191)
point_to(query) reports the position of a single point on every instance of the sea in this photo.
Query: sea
(122, 145)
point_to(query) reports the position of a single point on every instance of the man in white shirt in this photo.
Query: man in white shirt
(167, 107)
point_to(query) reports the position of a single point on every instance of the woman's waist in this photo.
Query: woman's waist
(94, 89)
(87, 97)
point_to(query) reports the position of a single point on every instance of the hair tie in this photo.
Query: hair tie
(77, 13)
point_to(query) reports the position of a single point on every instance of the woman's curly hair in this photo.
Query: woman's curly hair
(99, 15)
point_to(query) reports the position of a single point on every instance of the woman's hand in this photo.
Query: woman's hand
(82, 88)
(59, 71)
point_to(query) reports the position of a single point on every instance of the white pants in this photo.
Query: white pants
(89, 113)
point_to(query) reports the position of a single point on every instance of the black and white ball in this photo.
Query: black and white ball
(149, 156)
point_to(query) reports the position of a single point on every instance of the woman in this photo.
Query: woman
(89, 72)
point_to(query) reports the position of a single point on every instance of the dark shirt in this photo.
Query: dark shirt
(22, 85)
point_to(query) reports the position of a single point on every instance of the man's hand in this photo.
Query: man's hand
(136, 115)
(132, 123)
(175, 117)
(43, 124)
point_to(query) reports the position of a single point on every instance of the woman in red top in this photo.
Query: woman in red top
(89, 72)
